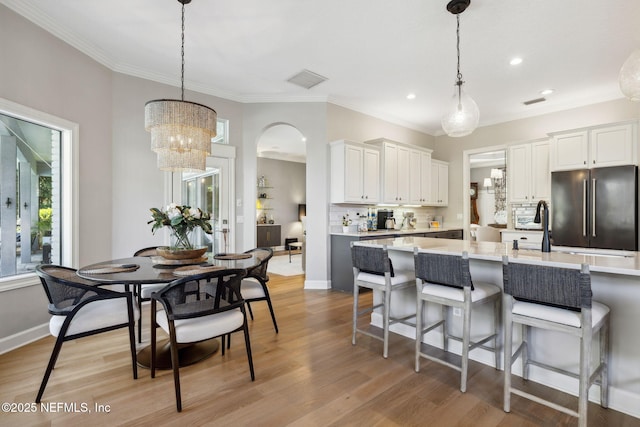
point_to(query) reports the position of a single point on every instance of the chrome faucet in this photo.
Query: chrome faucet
(546, 243)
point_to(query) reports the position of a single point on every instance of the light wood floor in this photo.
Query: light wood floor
(307, 375)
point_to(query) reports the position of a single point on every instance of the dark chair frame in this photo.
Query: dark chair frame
(79, 293)
(260, 274)
(144, 252)
(173, 299)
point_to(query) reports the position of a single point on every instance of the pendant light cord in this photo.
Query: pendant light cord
(458, 48)
(182, 54)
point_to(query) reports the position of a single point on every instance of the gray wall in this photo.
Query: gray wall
(288, 180)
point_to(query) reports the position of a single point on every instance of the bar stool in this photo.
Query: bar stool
(445, 279)
(373, 269)
(557, 299)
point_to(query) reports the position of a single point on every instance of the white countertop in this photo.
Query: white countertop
(392, 231)
(605, 262)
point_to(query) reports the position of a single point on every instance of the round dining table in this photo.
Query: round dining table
(134, 272)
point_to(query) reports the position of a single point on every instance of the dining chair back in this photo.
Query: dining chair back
(254, 285)
(187, 318)
(80, 308)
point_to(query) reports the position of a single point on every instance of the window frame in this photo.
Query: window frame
(69, 156)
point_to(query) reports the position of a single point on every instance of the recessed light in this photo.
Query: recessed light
(411, 96)
(546, 92)
(304, 139)
(516, 61)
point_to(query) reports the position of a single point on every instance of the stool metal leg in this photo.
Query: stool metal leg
(466, 338)
(508, 351)
(356, 291)
(604, 361)
(385, 321)
(419, 306)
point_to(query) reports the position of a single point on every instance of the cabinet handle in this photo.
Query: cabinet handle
(593, 208)
(268, 235)
(366, 197)
(594, 162)
(584, 162)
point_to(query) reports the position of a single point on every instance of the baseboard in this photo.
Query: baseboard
(23, 338)
(317, 284)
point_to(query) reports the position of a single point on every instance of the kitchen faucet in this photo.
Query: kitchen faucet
(546, 244)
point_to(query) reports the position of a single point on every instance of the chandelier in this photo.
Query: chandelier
(181, 131)
(463, 115)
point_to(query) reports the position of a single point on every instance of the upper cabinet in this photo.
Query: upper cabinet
(439, 183)
(355, 173)
(602, 146)
(420, 182)
(529, 177)
(406, 173)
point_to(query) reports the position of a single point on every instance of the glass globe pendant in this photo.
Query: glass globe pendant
(629, 77)
(463, 114)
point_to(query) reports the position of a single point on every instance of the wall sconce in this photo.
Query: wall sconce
(488, 184)
(497, 174)
(302, 211)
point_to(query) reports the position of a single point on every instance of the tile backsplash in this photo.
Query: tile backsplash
(423, 215)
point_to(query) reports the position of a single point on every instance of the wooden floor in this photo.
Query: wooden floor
(307, 375)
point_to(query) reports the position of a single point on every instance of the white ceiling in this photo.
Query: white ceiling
(373, 52)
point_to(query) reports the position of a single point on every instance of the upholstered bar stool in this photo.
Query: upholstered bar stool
(557, 299)
(445, 279)
(373, 269)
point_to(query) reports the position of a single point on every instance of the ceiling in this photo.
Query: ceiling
(372, 52)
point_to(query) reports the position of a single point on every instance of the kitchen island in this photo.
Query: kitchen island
(615, 278)
(341, 268)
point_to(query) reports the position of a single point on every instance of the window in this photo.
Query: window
(37, 192)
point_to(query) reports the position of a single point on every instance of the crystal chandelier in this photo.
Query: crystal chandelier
(181, 131)
(463, 115)
(629, 77)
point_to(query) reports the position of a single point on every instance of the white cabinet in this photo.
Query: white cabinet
(396, 173)
(529, 175)
(602, 146)
(355, 173)
(420, 177)
(439, 183)
(533, 237)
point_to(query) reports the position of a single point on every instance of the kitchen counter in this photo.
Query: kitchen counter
(615, 281)
(394, 232)
(341, 267)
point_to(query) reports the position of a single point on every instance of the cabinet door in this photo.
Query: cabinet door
(390, 174)
(540, 171)
(403, 175)
(425, 178)
(415, 183)
(570, 151)
(443, 184)
(371, 175)
(612, 146)
(353, 171)
(519, 173)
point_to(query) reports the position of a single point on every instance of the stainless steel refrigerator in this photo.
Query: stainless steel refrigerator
(595, 208)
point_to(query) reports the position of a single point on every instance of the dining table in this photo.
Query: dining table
(134, 272)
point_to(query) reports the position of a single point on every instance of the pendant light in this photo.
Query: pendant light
(629, 77)
(463, 115)
(181, 131)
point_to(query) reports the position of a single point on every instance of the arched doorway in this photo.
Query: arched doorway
(281, 190)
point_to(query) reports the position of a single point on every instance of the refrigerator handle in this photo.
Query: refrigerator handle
(593, 207)
(584, 208)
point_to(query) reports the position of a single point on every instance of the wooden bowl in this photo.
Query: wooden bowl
(172, 253)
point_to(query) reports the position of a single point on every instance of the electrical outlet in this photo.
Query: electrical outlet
(457, 311)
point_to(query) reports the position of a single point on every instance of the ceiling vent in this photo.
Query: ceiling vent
(534, 101)
(307, 79)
